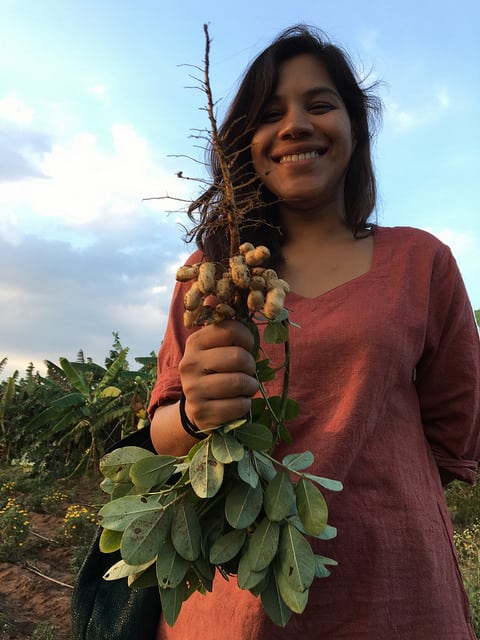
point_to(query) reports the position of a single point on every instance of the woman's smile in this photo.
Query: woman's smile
(303, 145)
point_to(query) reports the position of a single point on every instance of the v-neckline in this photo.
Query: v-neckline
(377, 242)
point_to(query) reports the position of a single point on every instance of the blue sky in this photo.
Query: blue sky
(95, 110)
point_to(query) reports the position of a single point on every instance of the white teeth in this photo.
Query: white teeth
(296, 157)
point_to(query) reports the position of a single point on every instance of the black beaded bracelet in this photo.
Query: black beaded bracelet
(187, 424)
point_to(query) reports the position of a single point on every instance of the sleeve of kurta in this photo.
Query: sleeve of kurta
(448, 376)
(167, 387)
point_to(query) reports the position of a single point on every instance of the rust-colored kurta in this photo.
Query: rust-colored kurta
(386, 370)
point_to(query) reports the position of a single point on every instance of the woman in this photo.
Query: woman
(385, 364)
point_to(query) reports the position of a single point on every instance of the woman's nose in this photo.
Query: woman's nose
(296, 123)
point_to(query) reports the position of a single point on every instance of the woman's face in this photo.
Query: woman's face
(303, 144)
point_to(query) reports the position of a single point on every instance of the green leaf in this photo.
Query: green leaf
(311, 506)
(275, 333)
(206, 473)
(263, 544)
(292, 409)
(332, 485)
(279, 497)
(226, 448)
(171, 567)
(328, 533)
(246, 577)
(151, 472)
(255, 436)
(227, 546)
(186, 534)
(118, 514)
(205, 572)
(233, 424)
(76, 379)
(321, 570)
(116, 464)
(143, 537)
(246, 470)
(295, 600)
(265, 372)
(144, 579)
(69, 400)
(295, 558)
(110, 541)
(109, 392)
(122, 570)
(264, 466)
(273, 603)
(298, 461)
(243, 505)
(171, 601)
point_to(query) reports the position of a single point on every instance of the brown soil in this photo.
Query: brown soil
(26, 598)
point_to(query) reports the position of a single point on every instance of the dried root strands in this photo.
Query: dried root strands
(240, 272)
(256, 256)
(206, 278)
(187, 272)
(274, 303)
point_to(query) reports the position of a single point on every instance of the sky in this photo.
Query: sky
(99, 110)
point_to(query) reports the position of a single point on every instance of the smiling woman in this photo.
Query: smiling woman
(384, 363)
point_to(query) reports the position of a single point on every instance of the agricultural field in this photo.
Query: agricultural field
(53, 431)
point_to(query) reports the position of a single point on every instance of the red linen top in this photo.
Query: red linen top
(385, 368)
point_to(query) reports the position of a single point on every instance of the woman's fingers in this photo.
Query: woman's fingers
(218, 374)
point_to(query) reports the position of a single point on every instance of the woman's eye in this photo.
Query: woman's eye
(272, 115)
(321, 107)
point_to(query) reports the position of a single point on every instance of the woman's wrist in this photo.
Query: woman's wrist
(188, 426)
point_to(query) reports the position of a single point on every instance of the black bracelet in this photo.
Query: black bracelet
(187, 424)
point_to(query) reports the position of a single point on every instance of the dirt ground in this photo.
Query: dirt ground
(27, 598)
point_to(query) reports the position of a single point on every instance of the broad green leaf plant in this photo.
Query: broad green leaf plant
(228, 506)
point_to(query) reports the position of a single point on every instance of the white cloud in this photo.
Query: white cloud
(15, 110)
(85, 184)
(403, 119)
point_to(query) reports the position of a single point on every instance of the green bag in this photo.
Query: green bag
(111, 610)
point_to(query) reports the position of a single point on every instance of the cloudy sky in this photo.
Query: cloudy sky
(95, 114)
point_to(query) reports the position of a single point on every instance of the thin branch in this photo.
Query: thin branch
(30, 567)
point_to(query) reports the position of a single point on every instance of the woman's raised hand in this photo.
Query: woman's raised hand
(218, 374)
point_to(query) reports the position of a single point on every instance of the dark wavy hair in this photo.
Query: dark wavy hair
(259, 83)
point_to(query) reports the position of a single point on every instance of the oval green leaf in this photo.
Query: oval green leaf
(243, 505)
(295, 558)
(186, 534)
(246, 470)
(171, 567)
(263, 544)
(273, 603)
(110, 541)
(298, 461)
(227, 546)
(143, 537)
(311, 506)
(255, 436)
(226, 448)
(279, 497)
(206, 472)
(118, 514)
(151, 472)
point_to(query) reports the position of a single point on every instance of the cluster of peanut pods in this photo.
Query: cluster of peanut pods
(266, 291)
